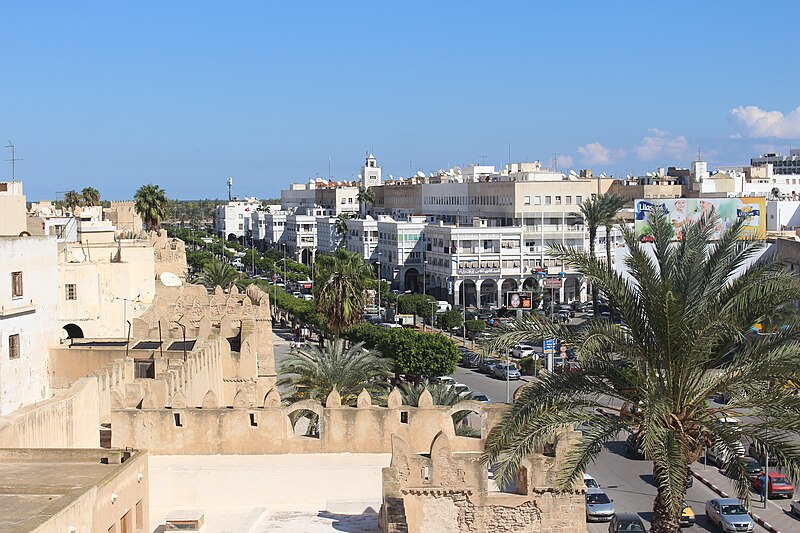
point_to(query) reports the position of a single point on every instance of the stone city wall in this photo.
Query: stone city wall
(68, 420)
(207, 428)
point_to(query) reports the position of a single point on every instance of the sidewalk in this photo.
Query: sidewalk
(775, 518)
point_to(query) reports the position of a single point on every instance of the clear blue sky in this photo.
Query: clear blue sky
(185, 94)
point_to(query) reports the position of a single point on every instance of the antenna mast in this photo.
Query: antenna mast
(13, 162)
(230, 186)
(555, 161)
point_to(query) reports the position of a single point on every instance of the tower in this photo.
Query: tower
(370, 172)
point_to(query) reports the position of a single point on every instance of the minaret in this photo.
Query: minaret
(370, 172)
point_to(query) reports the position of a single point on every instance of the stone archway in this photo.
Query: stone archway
(412, 280)
(306, 257)
(74, 331)
(530, 284)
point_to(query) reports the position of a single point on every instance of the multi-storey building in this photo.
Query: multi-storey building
(362, 237)
(301, 237)
(232, 220)
(269, 227)
(401, 248)
(781, 164)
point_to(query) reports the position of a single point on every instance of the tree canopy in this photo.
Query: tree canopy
(687, 309)
(151, 204)
(341, 281)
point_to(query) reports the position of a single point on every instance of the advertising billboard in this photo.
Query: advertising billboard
(519, 300)
(682, 210)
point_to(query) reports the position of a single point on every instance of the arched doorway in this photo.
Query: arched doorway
(412, 280)
(469, 294)
(489, 293)
(232, 237)
(530, 284)
(509, 285)
(74, 331)
(306, 257)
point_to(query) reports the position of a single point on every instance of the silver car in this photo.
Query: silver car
(506, 371)
(730, 515)
(599, 507)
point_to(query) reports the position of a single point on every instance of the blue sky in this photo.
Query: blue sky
(184, 94)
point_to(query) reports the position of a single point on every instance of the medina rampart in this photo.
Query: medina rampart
(267, 427)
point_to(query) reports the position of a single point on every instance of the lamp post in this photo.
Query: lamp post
(424, 275)
(378, 264)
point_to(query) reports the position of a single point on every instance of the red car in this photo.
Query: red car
(779, 485)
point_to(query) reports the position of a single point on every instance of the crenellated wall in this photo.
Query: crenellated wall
(448, 490)
(68, 420)
(266, 428)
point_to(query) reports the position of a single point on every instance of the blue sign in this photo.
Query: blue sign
(549, 345)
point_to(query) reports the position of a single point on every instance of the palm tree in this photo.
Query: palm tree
(365, 196)
(341, 281)
(91, 196)
(71, 200)
(597, 211)
(151, 205)
(441, 394)
(312, 372)
(341, 224)
(216, 273)
(612, 203)
(687, 309)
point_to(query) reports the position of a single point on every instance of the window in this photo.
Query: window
(579, 200)
(569, 200)
(343, 199)
(558, 200)
(349, 200)
(548, 200)
(537, 200)
(144, 369)
(72, 291)
(526, 200)
(16, 284)
(13, 346)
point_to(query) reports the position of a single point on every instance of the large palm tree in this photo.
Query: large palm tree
(686, 311)
(312, 372)
(341, 225)
(90, 196)
(365, 196)
(341, 281)
(599, 210)
(71, 200)
(151, 205)
(216, 273)
(441, 394)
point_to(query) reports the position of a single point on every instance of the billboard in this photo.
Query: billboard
(519, 300)
(682, 210)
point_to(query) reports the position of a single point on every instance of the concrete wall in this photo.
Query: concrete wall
(365, 429)
(69, 420)
(783, 214)
(12, 208)
(32, 316)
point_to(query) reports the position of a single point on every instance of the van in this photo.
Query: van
(443, 306)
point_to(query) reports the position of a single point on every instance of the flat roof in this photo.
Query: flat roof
(38, 483)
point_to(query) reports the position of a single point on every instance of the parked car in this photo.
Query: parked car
(506, 371)
(522, 350)
(568, 308)
(308, 297)
(469, 359)
(487, 365)
(590, 482)
(729, 515)
(461, 389)
(626, 522)
(563, 316)
(480, 397)
(389, 325)
(687, 516)
(599, 507)
(634, 446)
(751, 466)
(718, 455)
(779, 485)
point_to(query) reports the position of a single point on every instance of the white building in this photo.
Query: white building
(328, 239)
(301, 237)
(362, 238)
(232, 220)
(401, 247)
(781, 164)
(371, 173)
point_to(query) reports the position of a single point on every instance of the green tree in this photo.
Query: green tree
(216, 273)
(422, 305)
(687, 309)
(71, 200)
(600, 210)
(341, 225)
(612, 204)
(90, 196)
(151, 204)
(365, 197)
(419, 354)
(312, 372)
(474, 327)
(341, 281)
(451, 319)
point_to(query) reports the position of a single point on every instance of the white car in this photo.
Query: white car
(446, 380)
(590, 482)
(522, 350)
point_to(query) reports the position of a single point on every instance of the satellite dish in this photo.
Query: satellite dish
(420, 174)
(650, 174)
(573, 173)
(168, 279)
(457, 170)
(64, 335)
(78, 256)
(603, 175)
(46, 211)
(391, 177)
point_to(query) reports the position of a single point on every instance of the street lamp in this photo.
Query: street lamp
(424, 275)
(378, 263)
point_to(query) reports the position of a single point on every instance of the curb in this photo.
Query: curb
(757, 519)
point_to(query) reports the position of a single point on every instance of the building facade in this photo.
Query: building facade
(232, 220)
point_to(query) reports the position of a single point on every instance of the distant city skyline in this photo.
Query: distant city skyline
(114, 96)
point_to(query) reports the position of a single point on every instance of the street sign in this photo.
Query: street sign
(549, 345)
(552, 283)
(450, 286)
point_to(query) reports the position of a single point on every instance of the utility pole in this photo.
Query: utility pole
(410, 164)
(13, 161)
